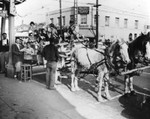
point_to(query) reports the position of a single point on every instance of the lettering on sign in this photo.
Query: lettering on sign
(12, 7)
(83, 10)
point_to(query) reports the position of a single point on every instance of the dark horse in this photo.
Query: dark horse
(139, 53)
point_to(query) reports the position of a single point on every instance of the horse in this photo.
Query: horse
(86, 58)
(139, 53)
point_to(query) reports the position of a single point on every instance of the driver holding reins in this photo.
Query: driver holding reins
(73, 31)
(52, 33)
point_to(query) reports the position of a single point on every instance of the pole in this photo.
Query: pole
(60, 18)
(97, 35)
(92, 17)
(11, 18)
(76, 11)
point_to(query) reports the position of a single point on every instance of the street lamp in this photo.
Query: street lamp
(97, 23)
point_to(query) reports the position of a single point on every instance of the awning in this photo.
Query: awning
(87, 33)
(21, 34)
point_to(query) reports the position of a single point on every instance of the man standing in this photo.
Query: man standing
(4, 52)
(50, 54)
(17, 58)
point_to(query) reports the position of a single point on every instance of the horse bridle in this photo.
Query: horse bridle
(138, 56)
(115, 61)
(119, 58)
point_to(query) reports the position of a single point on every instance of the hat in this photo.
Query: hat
(71, 21)
(32, 23)
(52, 25)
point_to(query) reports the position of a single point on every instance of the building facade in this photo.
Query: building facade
(113, 23)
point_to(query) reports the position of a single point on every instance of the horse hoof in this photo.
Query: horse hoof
(126, 95)
(73, 89)
(100, 99)
(133, 93)
(78, 89)
(108, 98)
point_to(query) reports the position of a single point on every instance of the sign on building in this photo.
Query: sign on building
(83, 10)
(12, 7)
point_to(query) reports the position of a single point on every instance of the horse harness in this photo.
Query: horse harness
(113, 65)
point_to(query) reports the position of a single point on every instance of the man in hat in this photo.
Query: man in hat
(73, 31)
(52, 33)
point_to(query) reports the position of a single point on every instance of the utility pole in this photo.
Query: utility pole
(97, 24)
(76, 11)
(91, 16)
(97, 21)
(60, 18)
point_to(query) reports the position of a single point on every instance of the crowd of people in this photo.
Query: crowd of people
(41, 47)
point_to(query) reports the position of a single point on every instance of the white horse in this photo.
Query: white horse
(83, 57)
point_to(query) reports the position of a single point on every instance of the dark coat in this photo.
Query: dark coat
(16, 54)
(50, 53)
(4, 48)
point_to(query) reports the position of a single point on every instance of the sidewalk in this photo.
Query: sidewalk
(31, 100)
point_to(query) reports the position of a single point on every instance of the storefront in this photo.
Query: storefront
(7, 13)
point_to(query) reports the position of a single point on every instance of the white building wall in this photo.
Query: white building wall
(55, 14)
(110, 31)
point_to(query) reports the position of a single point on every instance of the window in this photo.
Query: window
(63, 20)
(130, 37)
(52, 20)
(71, 17)
(125, 23)
(83, 19)
(117, 21)
(107, 18)
(136, 24)
(58, 20)
(94, 19)
(135, 35)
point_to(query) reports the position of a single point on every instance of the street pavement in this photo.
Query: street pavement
(31, 100)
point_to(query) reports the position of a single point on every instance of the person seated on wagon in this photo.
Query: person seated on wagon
(73, 31)
(52, 32)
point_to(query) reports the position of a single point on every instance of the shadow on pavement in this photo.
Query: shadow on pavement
(137, 88)
(134, 107)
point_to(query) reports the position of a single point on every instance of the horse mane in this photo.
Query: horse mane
(139, 43)
(112, 47)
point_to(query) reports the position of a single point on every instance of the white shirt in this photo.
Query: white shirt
(28, 52)
(4, 42)
(18, 45)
